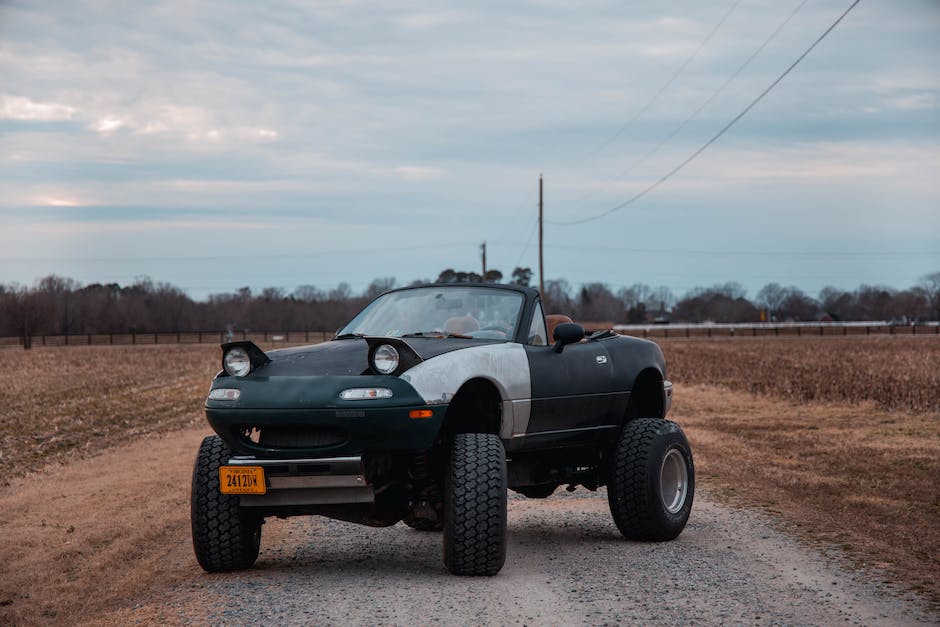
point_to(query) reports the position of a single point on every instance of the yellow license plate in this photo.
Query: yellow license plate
(241, 480)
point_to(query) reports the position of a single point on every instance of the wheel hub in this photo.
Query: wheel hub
(673, 481)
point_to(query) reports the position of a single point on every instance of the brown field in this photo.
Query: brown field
(60, 403)
(841, 470)
(849, 477)
(895, 373)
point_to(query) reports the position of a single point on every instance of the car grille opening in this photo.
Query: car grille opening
(301, 436)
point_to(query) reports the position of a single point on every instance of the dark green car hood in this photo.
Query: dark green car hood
(349, 357)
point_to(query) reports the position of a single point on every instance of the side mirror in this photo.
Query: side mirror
(567, 333)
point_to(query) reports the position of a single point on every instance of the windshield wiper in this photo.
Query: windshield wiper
(436, 334)
(347, 336)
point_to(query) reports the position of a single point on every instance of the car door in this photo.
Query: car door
(572, 393)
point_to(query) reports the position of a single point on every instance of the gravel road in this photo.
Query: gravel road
(566, 565)
(96, 543)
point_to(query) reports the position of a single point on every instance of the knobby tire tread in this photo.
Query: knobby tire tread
(224, 537)
(632, 499)
(475, 516)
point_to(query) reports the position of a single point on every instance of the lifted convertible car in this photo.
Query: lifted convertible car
(426, 408)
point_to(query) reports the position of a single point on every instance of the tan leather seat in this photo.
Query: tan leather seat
(460, 325)
(552, 321)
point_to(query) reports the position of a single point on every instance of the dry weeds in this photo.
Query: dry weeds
(851, 476)
(97, 535)
(896, 373)
(60, 403)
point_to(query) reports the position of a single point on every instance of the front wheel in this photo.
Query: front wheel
(652, 480)
(475, 505)
(225, 537)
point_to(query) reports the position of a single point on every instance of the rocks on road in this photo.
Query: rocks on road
(566, 565)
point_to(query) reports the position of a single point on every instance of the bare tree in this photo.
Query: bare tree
(661, 299)
(378, 286)
(636, 294)
(715, 305)
(557, 297)
(308, 294)
(56, 292)
(798, 306)
(597, 303)
(931, 286)
(772, 296)
(61, 305)
(25, 309)
(876, 302)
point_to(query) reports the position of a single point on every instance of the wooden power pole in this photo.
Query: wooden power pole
(483, 249)
(541, 264)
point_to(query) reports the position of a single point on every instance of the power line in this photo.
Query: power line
(528, 242)
(717, 135)
(633, 166)
(639, 113)
(592, 153)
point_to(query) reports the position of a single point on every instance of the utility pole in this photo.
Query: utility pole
(483, 248)
(541, 264)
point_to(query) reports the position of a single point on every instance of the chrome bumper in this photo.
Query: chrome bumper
(323, 481)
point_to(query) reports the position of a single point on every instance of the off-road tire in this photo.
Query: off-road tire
(225, 537)
(636, 478)
(475, 505)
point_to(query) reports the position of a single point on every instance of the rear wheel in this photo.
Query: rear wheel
(652, 481)
(225, 537)
(475, 505)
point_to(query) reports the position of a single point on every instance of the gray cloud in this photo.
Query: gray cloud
(124, 127)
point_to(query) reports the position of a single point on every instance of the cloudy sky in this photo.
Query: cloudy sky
(221, 144)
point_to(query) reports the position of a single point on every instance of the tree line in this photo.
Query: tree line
(58, 305)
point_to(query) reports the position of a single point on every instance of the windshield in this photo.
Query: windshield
(477, 312)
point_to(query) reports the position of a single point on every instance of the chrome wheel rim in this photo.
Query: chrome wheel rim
(673, 481)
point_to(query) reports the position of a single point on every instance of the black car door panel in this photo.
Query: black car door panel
(571, 390)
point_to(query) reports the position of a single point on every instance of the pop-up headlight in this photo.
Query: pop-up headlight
(385, 359)
(236, 361)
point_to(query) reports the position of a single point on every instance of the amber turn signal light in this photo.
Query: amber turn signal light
(420, 413)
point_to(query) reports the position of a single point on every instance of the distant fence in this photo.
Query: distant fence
(778, 329)
(196, 337)
(763, 329)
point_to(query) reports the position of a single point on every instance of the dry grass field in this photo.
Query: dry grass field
(849, 477)
(840, 435)
(829, 457)
(59, 403)
(896, 373)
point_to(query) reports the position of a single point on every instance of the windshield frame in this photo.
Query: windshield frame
(520, 314)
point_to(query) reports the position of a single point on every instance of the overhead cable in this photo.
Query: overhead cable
(714, 138)
(528, 241)
(633, 166)
(656, 96)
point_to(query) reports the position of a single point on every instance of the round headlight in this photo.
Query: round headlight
(385, 359)
(236, 362)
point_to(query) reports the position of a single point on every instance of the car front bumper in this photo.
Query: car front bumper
(304, 417)
(317, 481)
